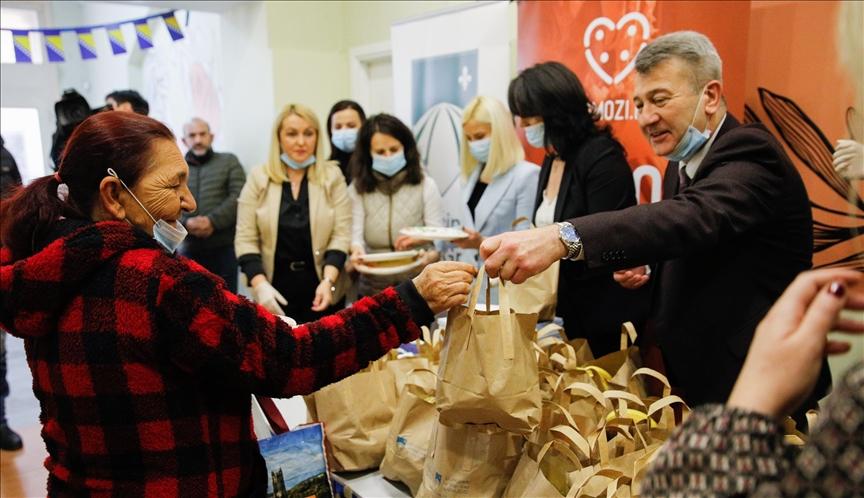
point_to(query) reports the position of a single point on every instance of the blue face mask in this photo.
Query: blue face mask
(345, 139)
(480, 149)
(536, 135)
(294, 164)
(693, 139)
(389, 165)
(167, 235)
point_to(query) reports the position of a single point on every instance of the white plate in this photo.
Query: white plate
(379, 257)
(389, 270)
(434, 233)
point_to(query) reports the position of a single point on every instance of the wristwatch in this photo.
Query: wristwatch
(332, 287)
(570, 238)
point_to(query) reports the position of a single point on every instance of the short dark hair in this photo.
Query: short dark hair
(552, 91)
(361, 161)
(134, 98)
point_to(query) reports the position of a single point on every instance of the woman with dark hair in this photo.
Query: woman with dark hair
(389, 193)
(584, 172)
(143, 362)
(343, 123)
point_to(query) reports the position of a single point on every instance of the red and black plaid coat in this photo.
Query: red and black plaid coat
(143, 363)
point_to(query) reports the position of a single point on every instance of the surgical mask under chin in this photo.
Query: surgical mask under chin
(167, 235)
(536, 135)
(389, 165)
(693, 139)
(480, 149)
(294, 164)
(345, 139)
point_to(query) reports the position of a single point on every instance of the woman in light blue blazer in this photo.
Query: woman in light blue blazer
(498, 185)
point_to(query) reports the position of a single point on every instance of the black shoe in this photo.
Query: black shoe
(9, 440)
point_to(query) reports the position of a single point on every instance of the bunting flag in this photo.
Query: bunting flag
(53, 39)
(86, 43)
(145, 36)
(21, 41)
(115, 38)
(173, 26)
(54, 46)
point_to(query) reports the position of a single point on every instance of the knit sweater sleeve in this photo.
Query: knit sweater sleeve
(718, 452)
(222, 337)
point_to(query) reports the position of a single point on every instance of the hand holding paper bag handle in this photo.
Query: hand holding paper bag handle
(445, 284)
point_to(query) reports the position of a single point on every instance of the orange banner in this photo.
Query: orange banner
(599, 42)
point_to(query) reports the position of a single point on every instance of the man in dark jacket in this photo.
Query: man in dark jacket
(733, 230)
(10, 177)
(215, 179)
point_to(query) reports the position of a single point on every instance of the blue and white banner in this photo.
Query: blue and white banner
(87, 46)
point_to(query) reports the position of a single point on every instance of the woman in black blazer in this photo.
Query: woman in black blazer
(584, 172)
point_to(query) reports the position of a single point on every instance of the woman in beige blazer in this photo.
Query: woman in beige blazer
(294, 223)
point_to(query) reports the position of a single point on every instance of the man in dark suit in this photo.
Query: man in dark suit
(733, 230)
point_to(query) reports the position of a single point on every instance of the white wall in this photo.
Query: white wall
(248, 83)
(33, 85)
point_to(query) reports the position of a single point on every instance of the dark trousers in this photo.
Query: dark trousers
(298, 288)
(221, 261)
(4, 386)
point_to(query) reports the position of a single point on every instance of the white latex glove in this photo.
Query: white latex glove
(849, 158)
(266, 295)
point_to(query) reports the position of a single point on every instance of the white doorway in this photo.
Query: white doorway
(372, 77)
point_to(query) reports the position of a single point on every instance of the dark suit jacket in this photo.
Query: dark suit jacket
(726, 248)
(596, 178)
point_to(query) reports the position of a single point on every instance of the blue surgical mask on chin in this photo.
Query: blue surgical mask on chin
(294, 164)
(480, 149)
(389, 165)
(167, 235)
(692, 140)
(536, 135)
(345, 139)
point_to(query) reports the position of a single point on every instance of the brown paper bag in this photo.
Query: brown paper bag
(469, 461)
(537, 462)
(538, 294)
(411, 431)
(356, 413)
(488, 372)
(405, 368)
(620, 365)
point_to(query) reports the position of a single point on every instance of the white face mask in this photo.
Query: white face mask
(167, 235)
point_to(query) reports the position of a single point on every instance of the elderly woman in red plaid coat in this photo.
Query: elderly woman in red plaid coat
(143, 362)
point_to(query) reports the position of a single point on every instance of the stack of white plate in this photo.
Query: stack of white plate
(388, 263)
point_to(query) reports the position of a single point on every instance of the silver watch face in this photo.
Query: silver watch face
(568, 233)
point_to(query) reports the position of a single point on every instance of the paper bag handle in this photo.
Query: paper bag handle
(504, 311)
(562, 448)
(667, 388)
(577, 440)
(627, 330)
(578, 486)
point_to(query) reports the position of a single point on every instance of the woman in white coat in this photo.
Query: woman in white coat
(498, 185)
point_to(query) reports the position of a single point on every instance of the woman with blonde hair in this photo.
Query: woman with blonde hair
(294, 222)
(498, 185)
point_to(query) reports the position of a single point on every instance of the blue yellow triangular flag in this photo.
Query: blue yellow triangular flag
(173, 26)
(145, 36)
(86, 43)
(21, 41)
(115, 39)
(54, 46)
